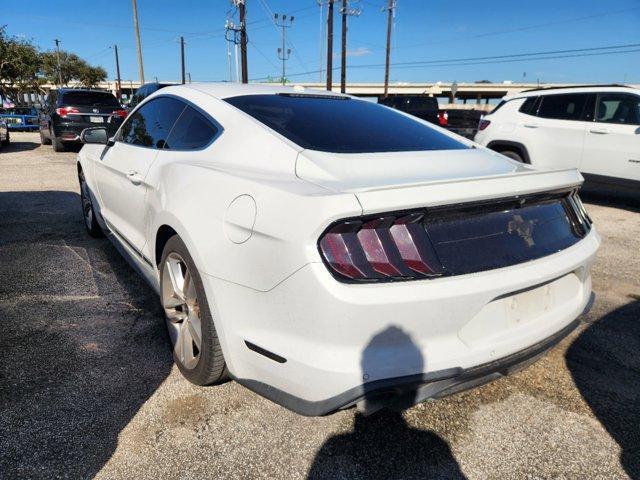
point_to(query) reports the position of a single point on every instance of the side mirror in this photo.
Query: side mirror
(97, 135)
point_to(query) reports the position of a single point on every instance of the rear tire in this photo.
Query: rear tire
(88, 212)
(182, 294)
(512, 155)
(44, 140)
(58, 146)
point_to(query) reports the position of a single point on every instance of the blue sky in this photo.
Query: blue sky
(424, 30)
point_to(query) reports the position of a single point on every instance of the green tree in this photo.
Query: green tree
(20, 63)
(73, 70)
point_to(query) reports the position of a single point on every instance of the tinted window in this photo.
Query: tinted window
(191, 131)
(90, 99)
(342, 125)
(411, 103)
(618, 108)
(150, 124)
(528, 106)
(563, 107)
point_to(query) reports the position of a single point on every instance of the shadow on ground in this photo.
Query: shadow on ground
(17, 144)
(83, 343)
(384, 445)
(611, 197)
(605, 364)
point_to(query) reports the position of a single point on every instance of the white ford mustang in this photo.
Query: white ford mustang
(326, 252)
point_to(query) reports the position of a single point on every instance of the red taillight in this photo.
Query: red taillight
(64, 111)
(443, 118)
(119, 113)
(483, 124)
(386, 247)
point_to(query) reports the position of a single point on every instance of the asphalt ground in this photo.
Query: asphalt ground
(88, 387)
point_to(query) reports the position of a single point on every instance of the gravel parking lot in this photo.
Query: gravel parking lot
(88, 387)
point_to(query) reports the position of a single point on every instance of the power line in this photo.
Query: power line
(520, 57)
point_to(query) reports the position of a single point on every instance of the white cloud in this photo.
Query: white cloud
(358, 52)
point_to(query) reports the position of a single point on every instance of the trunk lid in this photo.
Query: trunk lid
(402, 180)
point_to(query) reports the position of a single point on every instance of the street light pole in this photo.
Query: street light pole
(283, 54)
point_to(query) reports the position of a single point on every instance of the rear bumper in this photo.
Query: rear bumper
(70, 131)
(340, 344)
(403, 392)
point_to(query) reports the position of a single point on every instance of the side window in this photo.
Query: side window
(618, 108)
(150, 125)
(563, 107)
(192, 131)
(528, 106)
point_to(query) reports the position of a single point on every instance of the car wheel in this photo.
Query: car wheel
(196, 347)
(6, 141)
(513, 155)
(58, 146)
(44, 140)
(88, 213)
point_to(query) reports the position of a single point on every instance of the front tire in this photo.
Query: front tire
(6, 141)
(195, 343)
(44, 140)
(88, 212)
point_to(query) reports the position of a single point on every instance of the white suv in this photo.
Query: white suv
(595, 129)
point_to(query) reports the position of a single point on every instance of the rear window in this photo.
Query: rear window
(528, 106)
(342, 125)
(410, 103)
(89, 99)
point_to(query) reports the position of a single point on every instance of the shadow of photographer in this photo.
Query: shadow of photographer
(384, 445)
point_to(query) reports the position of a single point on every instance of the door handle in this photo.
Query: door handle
(599, 131)
(134, 177)
(531, 125)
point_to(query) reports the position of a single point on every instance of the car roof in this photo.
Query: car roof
(576, 89)
(224, 90)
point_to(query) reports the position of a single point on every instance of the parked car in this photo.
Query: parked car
(67, 112)
(463, 122)
(595, 129)
(4, 133)
(420, 106)
(20, 118)
(144, 91)
(327, 252)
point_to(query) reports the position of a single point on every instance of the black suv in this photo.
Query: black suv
(419, 106)
(67, 112)
(144, 91)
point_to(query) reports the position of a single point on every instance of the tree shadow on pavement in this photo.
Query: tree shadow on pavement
(19, 145)
(83, 344)
(605, 364)
(383, 445)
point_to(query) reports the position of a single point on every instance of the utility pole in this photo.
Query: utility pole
(351, 12)
(330, 46)
(343, 56)
(118, 85)
(189, 76)
(58, 58)
(232, 35)
(390, 11)
(243, 39)
(182, 59)
(138, 44)
(283, 54)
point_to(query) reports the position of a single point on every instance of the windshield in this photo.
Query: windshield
(89, 99)
(342, 125)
